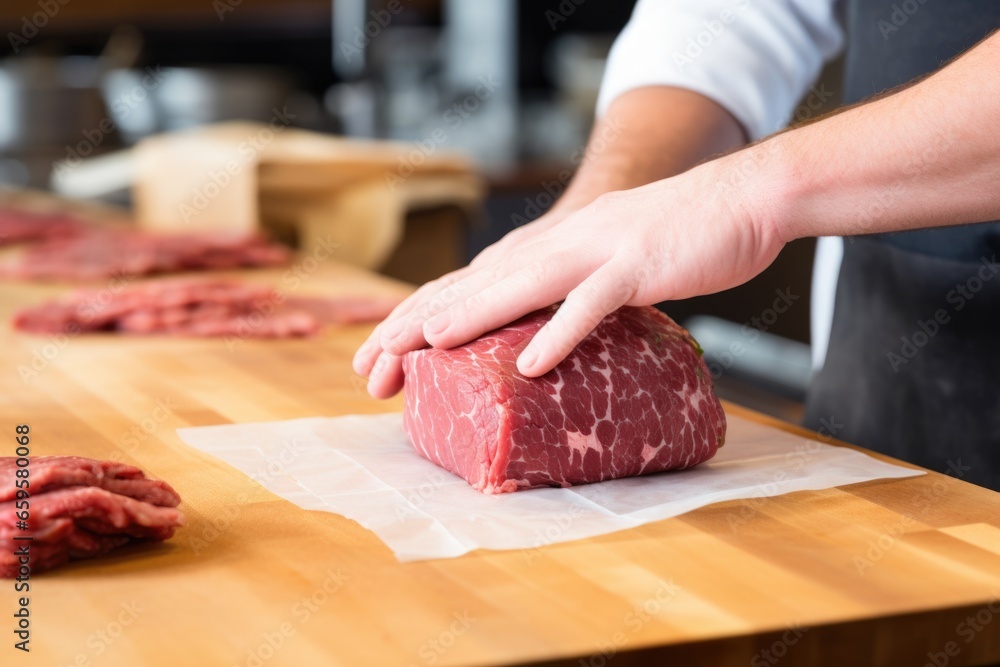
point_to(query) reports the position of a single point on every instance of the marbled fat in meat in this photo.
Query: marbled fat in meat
(633, 398)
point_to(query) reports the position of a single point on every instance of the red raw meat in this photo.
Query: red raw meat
(105, 253)
(634, 397)
(198, 307)
(49, 473)
(81, 508)
(107, 512)
(19, 226)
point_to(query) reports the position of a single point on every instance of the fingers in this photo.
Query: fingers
(386, 377)
(517, 275)
(526, 290)
(406, 333)
(603, 292)
(534, 286)
(365, 357)
(397, 337)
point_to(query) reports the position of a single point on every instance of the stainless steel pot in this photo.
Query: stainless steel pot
(48, 108)
(154, 99)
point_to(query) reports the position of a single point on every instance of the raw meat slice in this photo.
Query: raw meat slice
(106, 253)
(633, 398)
(20, 226)
(198, 307)
(54, 472)
(102, 508)
(80, 508)
(152, 491)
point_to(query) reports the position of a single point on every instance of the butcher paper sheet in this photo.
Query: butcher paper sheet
(362, 467)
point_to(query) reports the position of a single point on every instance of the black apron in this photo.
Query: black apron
(913, 367)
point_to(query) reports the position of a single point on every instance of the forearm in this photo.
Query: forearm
(649, 134)
(926, 156)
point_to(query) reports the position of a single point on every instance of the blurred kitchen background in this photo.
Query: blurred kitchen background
(509, 84)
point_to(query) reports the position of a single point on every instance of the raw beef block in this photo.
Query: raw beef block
(80, 508)
(634, 397)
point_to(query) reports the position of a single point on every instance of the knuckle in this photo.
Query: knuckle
(430, 309)
(605, 202)
(495, 272)
(640, 267)
(536, 274)
(567, 330)
(476, 303)
(591, 294)
(450, 280)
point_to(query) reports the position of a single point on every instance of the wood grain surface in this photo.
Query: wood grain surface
(902, 572)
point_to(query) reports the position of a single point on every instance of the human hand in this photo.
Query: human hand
(384, 369)
(672, 239)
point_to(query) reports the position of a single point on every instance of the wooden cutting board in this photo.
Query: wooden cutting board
(878, 573)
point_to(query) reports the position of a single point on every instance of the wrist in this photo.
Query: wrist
(765, 182)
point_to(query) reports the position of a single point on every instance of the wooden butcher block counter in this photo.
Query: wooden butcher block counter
(877, 573)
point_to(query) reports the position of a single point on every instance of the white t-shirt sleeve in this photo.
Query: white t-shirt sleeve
(756, 58)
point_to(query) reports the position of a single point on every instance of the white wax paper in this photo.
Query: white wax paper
(363, 467)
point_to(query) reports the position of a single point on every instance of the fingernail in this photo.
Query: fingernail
(438, 323)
